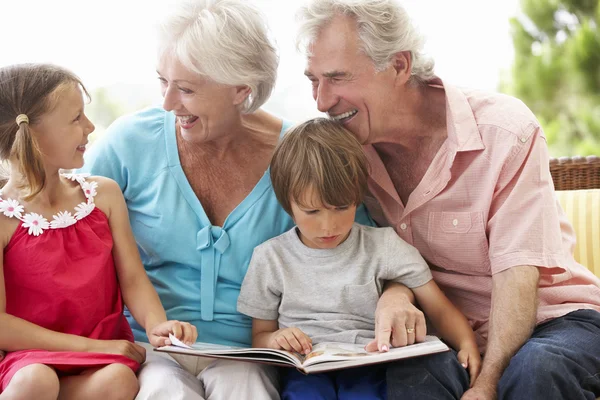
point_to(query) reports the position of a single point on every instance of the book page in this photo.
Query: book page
(356, 354)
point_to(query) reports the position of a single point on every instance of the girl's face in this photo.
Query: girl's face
(204, 108)
(62, 133)
(322, 226)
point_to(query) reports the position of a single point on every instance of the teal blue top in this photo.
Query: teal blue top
(196, 268)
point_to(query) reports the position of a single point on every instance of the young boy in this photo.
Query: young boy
(321, 280)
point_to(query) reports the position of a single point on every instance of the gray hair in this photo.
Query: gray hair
(384, 28)
(225, 40)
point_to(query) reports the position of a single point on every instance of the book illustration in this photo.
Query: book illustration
(325, 356)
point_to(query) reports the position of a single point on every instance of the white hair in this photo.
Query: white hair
(225, 40)
(384, 28)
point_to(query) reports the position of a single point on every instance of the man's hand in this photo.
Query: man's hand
(158, 335)
(482, 390)
(291, 339)
(397, 321)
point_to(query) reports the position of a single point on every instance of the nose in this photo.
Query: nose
(90, 126)
(328, 223)
(324, 97)
(170, 99)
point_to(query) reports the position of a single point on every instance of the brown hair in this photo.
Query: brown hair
(29, 89)
(321, 154)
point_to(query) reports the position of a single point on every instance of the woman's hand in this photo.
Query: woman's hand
(121, 347)
(291, 339)
(158, 335)
(2, 354)
(469, 358)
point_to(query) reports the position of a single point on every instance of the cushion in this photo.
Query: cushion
(583, 211)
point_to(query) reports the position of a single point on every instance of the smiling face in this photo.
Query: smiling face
(345, 82)
(62, 133)
(322, 226)
(203, 107)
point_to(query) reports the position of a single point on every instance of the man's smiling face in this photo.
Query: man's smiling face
(345, 83)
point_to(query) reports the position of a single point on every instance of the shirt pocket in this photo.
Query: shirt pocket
(458, 241)
(361, 300)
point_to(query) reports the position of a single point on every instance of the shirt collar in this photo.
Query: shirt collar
(463, 132)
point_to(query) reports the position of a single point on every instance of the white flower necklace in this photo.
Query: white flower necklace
(36, 223)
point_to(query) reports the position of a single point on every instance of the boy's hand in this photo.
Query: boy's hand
(469, 358)
(158, 335)
(291, 339)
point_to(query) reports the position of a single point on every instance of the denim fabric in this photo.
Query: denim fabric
(438, 376)
(560, 361)
(364, 383)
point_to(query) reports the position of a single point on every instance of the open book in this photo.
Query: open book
(324, 356)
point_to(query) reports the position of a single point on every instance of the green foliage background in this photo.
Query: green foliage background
(556, 71)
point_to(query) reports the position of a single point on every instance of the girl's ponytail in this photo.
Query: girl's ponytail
(29, 160)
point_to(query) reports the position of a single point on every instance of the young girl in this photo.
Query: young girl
(320, 281)
(69, 254)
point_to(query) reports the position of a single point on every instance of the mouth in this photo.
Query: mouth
(81, 147)
(328, 239)
(186, 121)
(343, 117)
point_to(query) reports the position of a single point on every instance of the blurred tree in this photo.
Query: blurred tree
(556, 71)
(103, 110)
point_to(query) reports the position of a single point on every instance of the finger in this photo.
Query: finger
(383, 334)
(409, 326)
(371, 346)
(283, 343)
(420, 327)
(188, 333)
(293, 341)
(194, 333)
(305, 342)
(463, 358)
(177, 330)
(399, 334)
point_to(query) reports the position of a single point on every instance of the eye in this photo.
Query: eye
(311, 212)
(185, 91)
(162, 80)
(342, 208)
(77, 118)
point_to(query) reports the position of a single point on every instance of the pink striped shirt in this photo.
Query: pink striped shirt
(486, 204)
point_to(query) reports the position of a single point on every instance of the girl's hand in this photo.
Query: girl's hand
(158, 335)
(469, 358)
(122, 347)
(291, 339)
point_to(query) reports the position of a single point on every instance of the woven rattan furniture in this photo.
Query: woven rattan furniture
(575, 173)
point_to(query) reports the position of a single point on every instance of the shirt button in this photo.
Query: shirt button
(523, 139)
(403, 227)
(454, 222)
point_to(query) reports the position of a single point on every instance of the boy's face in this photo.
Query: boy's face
(322, 226)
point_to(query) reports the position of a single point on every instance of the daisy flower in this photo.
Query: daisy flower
(76, 177)
(62, 220)
(83, 210)
(89, 189)
(36, 223)
(11, 208)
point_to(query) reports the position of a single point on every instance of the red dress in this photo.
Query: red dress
(60, 275)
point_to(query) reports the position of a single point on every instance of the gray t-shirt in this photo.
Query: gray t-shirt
(330, 294)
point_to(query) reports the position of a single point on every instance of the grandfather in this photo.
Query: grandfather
(463, 176)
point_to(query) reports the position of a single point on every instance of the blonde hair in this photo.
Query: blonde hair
(323, 155)
(32, 90)
(224, 40)
(384, 28)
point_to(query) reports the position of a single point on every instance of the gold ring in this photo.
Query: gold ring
(410, 330)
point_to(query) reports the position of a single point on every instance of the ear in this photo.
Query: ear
(241, 93)
(402, 64)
